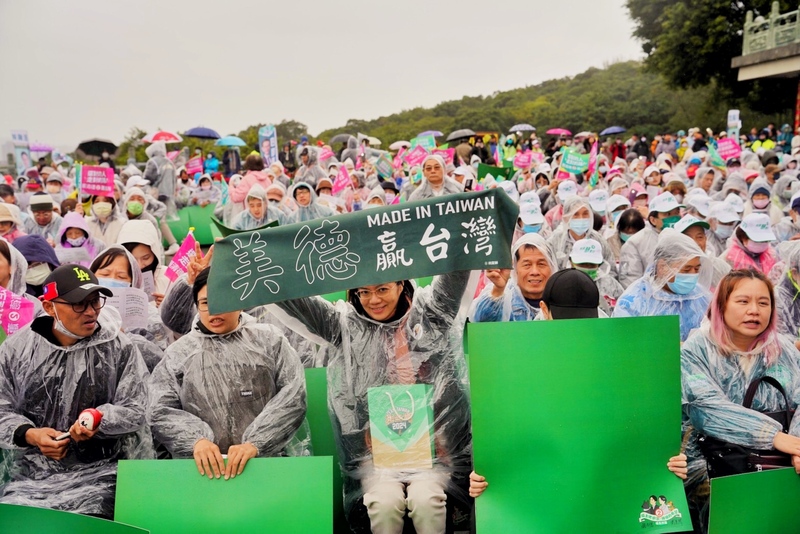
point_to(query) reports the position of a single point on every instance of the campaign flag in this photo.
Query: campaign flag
(268, 144)
(416, 156)
(180, 261)
(447, 154)
(342, 180)
(728, 148)
(523, 160)
(15, 311)
(194, 165)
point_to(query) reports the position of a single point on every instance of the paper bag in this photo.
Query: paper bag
(401, 426)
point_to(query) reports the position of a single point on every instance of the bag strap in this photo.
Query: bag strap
(751, 393)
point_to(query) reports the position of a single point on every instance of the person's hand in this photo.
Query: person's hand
(208, 459)
(795, 237)
(159, 297)
(786, 443)
(44, 439)
(237, 458)
(51, 242)
(679, 466)
(81, 433)
(203, 204)
(796, 463)
(79, 209)
(498, 278)
(198, 263)
(477, 485)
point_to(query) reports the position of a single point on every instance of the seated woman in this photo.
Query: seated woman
(106, 221)
(205, 193)
(41, 260)
(395, 334)
(308, 208)
(739, 343)
(141, 239)
(750, 247)
(676, 283)
(10, 223)
(627, 224)
(74, 244)
(258, 211)
(231, 386)
(134, 204)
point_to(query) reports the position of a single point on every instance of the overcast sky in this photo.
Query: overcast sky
(95, 68)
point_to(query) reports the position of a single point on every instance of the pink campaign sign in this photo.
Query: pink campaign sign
(416, 156)
(180, 261)
(728, 148)
(397, 163)
(448, 154)
(342, 180)
(17, 311)
(326, 154)
(194, 165)
(97, 180)
(523, 160)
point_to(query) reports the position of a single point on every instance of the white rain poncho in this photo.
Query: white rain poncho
(46, 385)
(160, 172)
(244, 386)
(144, 216)
(142, 233)
(735, 183)
(787, 292)
(314, 210)
(309, 172)
(246, 220)
(422, 346)
(512, 306)
(648, 296)
(561, 241)
(782, 191)
(425, 190)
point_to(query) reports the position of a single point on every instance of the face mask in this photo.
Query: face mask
(580, 226)
(615, 216)
(105, 155)
(723, 231)
(761, 203)
(390, 198)
(37, 275)
(531, 228)
(683, 284)
(135, 208)
(757, 248)
(205, 187)
(198, 152)
(787, 195)
(54, 188)
(591, 272)
(111, 283)
(624, 237)
(679, 198)
(77, 242)
(102, 209)
(59, 326)
(669, 222)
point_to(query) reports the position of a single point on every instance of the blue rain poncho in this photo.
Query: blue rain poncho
(246, 221)
(46, 385)
(511, 306)
(314, 210)
(648, 296)
(244, 386)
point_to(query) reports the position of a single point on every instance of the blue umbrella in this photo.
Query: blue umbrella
(522, 128)
(611, 130)
(201, 132)
(230, 140)
(435, 133)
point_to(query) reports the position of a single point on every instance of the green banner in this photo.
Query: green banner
(498, 173)
(573, 433)
(573, 161)
(226, 231)
(384, 166)
(439, 235)
(714, 157)
(427, 142)
(755, 502)
(14, 519)
(271, 495)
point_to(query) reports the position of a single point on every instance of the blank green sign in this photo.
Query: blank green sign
(763, 502)
(17, 519)
(573, 424)
(272, 495)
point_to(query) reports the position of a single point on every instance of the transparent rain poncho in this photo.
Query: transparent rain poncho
(648, 296)
(561, 241)
(512, 306)
(246, 220)
(425, 190)
(311, 171)
(45, 385)
(244, 386)
(787, 291)
(423, 346)
(314, 210)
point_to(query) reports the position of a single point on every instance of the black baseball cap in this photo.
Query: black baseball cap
(72, 283)
(571, 294)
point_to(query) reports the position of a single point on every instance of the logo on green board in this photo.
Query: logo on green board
(658, 510)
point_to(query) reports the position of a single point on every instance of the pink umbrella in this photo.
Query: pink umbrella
(40, 147)
(167, 137)
(558, 131)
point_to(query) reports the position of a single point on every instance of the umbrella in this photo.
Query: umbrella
(341, 138)
(558, 131)
(582, 135)
(435, 133)
(374, 141)
(611, 130)
(230, 140)
(166, 137)
(96, 147)
(459, 134)
(522, 128)
(397, 145)
(201, 132)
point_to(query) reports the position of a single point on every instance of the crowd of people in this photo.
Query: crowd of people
(662, 231)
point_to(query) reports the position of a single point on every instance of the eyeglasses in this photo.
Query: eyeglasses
(366, 294)
(96, 303)
(202, 306)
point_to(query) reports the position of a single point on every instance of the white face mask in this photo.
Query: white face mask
(53, 188)
(77, 242)
(390, 197)
(37, 275)
(102, 209)
(59, 326)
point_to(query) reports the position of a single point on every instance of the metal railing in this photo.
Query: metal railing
(773, 31)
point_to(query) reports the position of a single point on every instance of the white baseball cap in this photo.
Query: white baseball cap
(566, 190)
(511, 190)
(531, 197)
(531, 213)
(701, 203)
(615, 201)
(664, 203)
(757, 227)
(586, 251)
(736, 201)
(723, 212)
(688, 221)
(597, 200)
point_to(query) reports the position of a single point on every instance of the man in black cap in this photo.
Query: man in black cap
(570, 294)
(69, 359)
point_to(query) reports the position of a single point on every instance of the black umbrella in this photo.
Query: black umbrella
(201, 132)
(341, 138)
(460, 134)
(96, 147)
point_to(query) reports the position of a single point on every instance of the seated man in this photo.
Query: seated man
(44, 222)
(230, 386)
(71, 358)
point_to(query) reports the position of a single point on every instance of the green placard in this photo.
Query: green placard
(16, 519)
(573, 161)
(271, 495)
(225, 231)
(755, 502)
(427, 142)
(573, 430)
(498, 173)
